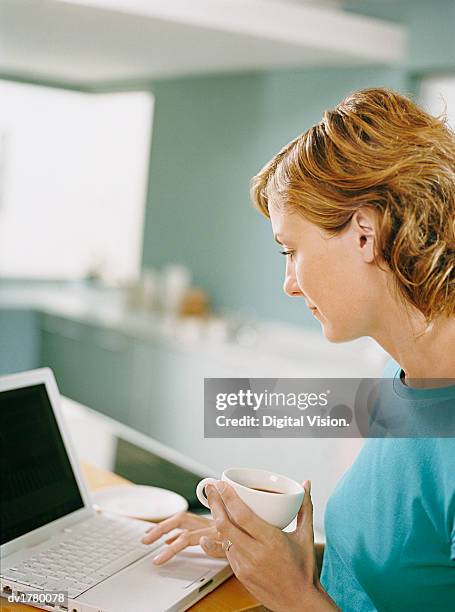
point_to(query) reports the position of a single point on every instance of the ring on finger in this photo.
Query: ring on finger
(226, 545)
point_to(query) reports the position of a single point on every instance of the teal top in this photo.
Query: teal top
(390, 522)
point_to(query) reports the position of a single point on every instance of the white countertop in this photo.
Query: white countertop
(279, 347)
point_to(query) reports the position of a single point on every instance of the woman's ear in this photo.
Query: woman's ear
(363, 227)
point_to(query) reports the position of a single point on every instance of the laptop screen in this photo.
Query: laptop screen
(37, 482)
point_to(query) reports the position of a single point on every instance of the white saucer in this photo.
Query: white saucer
(140, 501)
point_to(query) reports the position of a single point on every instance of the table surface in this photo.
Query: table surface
(228, 597)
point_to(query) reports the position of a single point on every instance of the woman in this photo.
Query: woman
(363, 205)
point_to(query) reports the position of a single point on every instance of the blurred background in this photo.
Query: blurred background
(131, 260)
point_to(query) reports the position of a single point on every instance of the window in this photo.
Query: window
(73, 181)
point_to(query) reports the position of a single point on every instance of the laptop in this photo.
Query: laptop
(53, 540)
(132, 455)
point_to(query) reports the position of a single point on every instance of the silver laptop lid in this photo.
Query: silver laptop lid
(42, 489)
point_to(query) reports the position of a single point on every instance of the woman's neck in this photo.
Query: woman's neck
(426, 356)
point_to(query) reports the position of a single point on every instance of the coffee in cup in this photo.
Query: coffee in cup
(273, 497)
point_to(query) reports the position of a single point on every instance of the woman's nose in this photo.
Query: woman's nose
(291, 287)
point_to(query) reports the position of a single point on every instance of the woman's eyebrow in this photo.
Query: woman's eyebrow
(277, 239)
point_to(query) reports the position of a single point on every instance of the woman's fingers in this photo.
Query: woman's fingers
(205, 531)
(212, 547)
(223, 522)
(304, 533)
(305, 516)
(242, 514)
(184, 539)
(156, 531)
(181, 520)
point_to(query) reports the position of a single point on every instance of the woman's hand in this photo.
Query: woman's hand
(278, 568)
(194, 530)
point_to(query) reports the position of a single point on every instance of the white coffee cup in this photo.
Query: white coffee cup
(278, 504)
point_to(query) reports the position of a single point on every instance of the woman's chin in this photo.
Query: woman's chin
(333, 332)
(336, 334)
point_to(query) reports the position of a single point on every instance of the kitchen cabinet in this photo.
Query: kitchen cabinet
(169, 393)
(61, 351)
(92, 365)
(171, 399)
(19, 340)
(152, 386)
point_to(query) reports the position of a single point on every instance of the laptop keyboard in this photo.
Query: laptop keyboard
(86, 554)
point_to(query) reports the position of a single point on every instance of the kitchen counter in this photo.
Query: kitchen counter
(286, 346)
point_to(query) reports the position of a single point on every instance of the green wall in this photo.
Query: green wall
(210, 136)
(431, 25)
(432, 42)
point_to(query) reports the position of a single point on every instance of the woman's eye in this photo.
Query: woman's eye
(286, 253)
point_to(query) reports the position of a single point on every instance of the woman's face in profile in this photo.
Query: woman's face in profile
(335, 276)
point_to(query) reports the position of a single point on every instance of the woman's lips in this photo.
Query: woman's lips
(313, 309)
